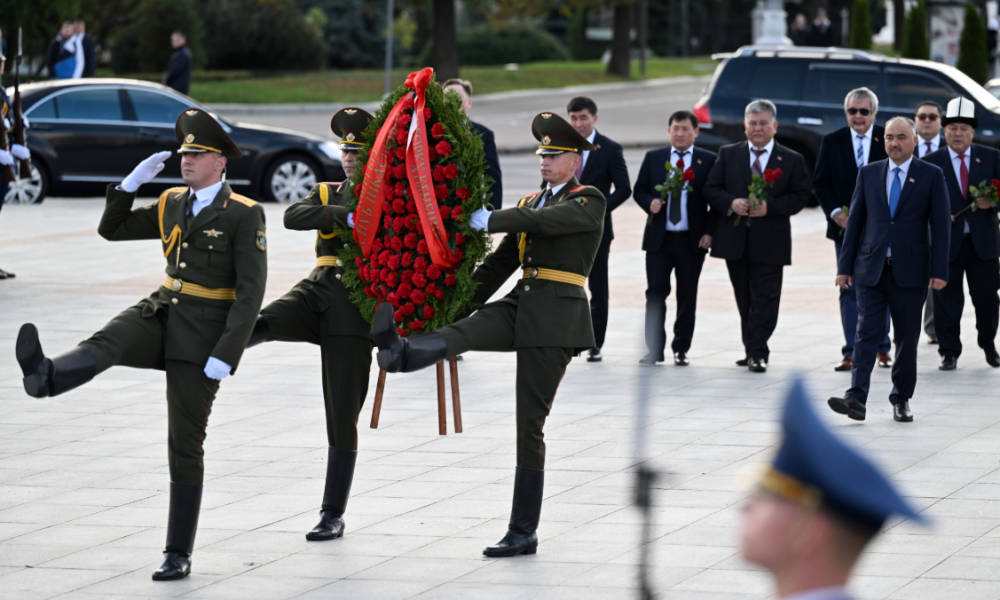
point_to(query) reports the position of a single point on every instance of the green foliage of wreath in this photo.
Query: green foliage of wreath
(367, 289)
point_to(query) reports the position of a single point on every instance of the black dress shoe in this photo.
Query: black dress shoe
(848, 405)
(757, 365)
(175, 566)
(521, 537)
(681, 359)
(397, 354)
(901, 412)
(742, 362)
(595, 355)
(649, 359)
(948, 363)
(992, 358)
(45, 376)
(6, 274)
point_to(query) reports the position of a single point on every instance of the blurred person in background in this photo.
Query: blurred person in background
(823, 34)
(800, 32)
(464, 90)
(181, 64)
(86, 55)
(60, 58)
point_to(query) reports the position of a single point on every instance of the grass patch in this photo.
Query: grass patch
(366, 85)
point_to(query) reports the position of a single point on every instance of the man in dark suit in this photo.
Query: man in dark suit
(895, 246)
(678, 234)
(464, 90)
(756, 240)
(601, 168)
(928, 120)
(181, 64)
(841, 154)
(87, 43)
(975, 237)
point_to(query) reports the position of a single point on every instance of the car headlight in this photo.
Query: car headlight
(331, 149)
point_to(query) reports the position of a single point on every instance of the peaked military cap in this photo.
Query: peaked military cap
(197, 131)
(349, 125)
(556, 136)
(815, 468)
(960, 110)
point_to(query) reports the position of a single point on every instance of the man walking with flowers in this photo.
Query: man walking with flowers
(754, 233)
(970, 171)
(553, 237)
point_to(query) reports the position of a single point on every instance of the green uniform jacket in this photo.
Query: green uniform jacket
(563, 235)
(323, 290)
(223, 248)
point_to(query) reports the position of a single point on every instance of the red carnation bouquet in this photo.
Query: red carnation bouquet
(990, 191)
(758, 189)
(418, 180)
(676, 182)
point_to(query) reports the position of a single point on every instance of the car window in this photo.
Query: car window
(776, 80)
(153, 107)
(830, 86)
(45, 110)
(907, 90)
(91, 105)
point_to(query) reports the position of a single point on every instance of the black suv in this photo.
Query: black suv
(808, 85)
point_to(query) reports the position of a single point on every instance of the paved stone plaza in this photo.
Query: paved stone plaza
(83, 477)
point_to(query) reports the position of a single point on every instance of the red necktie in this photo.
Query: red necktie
(964, 172)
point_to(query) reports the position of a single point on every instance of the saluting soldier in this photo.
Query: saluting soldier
(553, 235)
(318, 310)
(195, 326)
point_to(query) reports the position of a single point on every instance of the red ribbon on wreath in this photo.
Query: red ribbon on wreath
(418, 173)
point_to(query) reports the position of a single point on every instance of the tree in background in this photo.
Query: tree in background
(972, 46)
(621, 43)
(105, 18)
(861, 26)
(444, 55)
(354, 32)
(40, 23)
(915, 42)
(144, 44)
(261, 35)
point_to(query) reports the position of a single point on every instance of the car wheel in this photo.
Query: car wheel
(290, 179)
(28, 190)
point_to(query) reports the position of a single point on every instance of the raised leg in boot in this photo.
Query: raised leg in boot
(339, 475)
(397, 354)
(45, 376)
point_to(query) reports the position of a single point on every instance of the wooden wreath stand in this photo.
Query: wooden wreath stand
(456, 401)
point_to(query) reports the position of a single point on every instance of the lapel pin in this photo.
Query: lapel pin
(876, 139)
(977, 160)
(779, 158)
(699, 161)
(911, 180)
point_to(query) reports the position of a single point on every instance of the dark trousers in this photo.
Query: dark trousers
(984, 281)
(539, 371)
(130, 340)
(675, 254)
(346, 362)
(597, 281)
(758, 295)
(905, 306)
(849, 317)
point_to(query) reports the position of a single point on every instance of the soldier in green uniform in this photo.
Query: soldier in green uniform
(553, 236)
(318, 310)
(195, 326)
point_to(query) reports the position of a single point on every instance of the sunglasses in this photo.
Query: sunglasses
(864, 111)
(927, 117)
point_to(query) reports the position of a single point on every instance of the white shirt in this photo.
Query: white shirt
(763, 157)
(957, 165)
(922, 150)
(80, 58)
(683, 224)
(586, 153)
(828, 593)
(890, 175)
(555, 190)
(204, 197)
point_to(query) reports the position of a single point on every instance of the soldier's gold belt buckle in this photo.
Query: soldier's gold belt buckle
(533, 273)
(177, 285)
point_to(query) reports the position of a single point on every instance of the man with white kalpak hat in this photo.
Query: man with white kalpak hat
(975, 236)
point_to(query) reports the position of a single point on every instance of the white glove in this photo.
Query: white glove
(6, 123)
(145, 172)
(216, 369)
(20, 152)
(5, 158)
(350, 220)
(480, 219)
(24, 119)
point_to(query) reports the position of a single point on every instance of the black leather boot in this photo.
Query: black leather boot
(182, 524)
(339, 475)
(45, 376)
(260, 332)
(397, 354)
(521, 537)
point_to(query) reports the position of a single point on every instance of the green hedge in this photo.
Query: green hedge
(484, 45)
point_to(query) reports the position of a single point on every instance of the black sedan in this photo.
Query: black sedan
(87, 133)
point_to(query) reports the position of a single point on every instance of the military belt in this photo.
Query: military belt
(555, 275)
(328, 261)
(192, 289)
